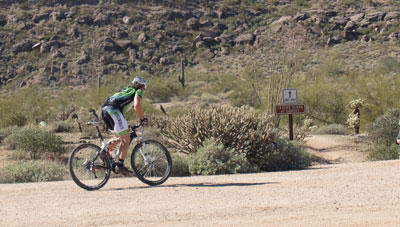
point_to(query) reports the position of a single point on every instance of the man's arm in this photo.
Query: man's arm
(137, 105)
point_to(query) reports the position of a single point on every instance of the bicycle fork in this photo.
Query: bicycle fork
(147, 157)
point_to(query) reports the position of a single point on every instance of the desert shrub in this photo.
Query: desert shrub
(240, 129)
(89, 132)
(4, 132)
(36, 142)
(304, 129)
(385, 128)
(284, 155)
(213, 158)
(180, 165)
(331, 129)
(162, 89)
(61, 126)
(32, 171)
(383, 152)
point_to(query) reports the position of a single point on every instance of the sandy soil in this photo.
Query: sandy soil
(345, 194)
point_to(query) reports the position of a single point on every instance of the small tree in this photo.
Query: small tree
(353, 119)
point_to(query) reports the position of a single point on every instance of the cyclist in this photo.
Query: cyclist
(113, 115)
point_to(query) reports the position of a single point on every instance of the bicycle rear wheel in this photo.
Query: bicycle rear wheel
(151, 162)
(89, 168)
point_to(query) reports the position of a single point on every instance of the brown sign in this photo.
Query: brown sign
(290, 109)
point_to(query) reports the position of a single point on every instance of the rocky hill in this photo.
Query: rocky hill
(67, 42)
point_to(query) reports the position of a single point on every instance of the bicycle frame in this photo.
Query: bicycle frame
(138, 129)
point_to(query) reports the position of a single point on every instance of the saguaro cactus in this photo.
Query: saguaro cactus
(181, 78)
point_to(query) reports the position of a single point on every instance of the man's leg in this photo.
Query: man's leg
(125, 141)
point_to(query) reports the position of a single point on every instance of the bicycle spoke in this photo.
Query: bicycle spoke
(159, 166)
(88, 169)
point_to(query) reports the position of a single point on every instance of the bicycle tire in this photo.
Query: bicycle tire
(101, 163)
(161, 157)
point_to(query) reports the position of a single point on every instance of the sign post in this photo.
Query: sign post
(289, 107)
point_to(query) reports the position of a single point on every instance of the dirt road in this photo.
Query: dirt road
(352, 194)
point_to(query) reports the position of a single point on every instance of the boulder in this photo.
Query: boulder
(3, 20)
(147, 53)
(101, 20)
(110, 45)
(221, 14)
(74, 31)
(227, 38)
(330, 13)
(210, 33)
(210, 41)
(177, 48)
(158, 37)
(57, 54)
(23, 46)
(125, 44)
(392, 16)
(118, 33)
(142, 38)
(106, 59)
(83, 59)
(128, 20)
(351, 35)
(282, 20)
(394, 36)
(173, 15)
(200, 44)
(332, 41)
(350, 25)
(224, 51)
(245, 39)
(132, 55)
(206, 23)
(57, 16)
(40, 16)
(46, 46)
(219, 27)
(193, 23)
(164, 61)
(338, 20)
(357, 18)
(375, 16)
(84, 20)
(300, 17)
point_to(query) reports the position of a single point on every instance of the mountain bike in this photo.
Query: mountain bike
(90, 165)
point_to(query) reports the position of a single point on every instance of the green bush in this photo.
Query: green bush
(284, 155)
(162, 89)
(89, 132)
(213, 158)
(240, 129)
(32, 171)
(383, 152)
(61, 126)
(331, 129)
(4, 132)
(35, 142)
(385, 128)
(180, 165)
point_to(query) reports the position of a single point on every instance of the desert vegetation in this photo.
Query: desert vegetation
(59, 58)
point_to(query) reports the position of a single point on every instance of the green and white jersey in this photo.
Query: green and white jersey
(123, 98)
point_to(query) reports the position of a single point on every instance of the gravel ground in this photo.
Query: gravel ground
(347, 194)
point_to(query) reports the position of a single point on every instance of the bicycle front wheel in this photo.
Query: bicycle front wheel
(88, 167)
(151, 162)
